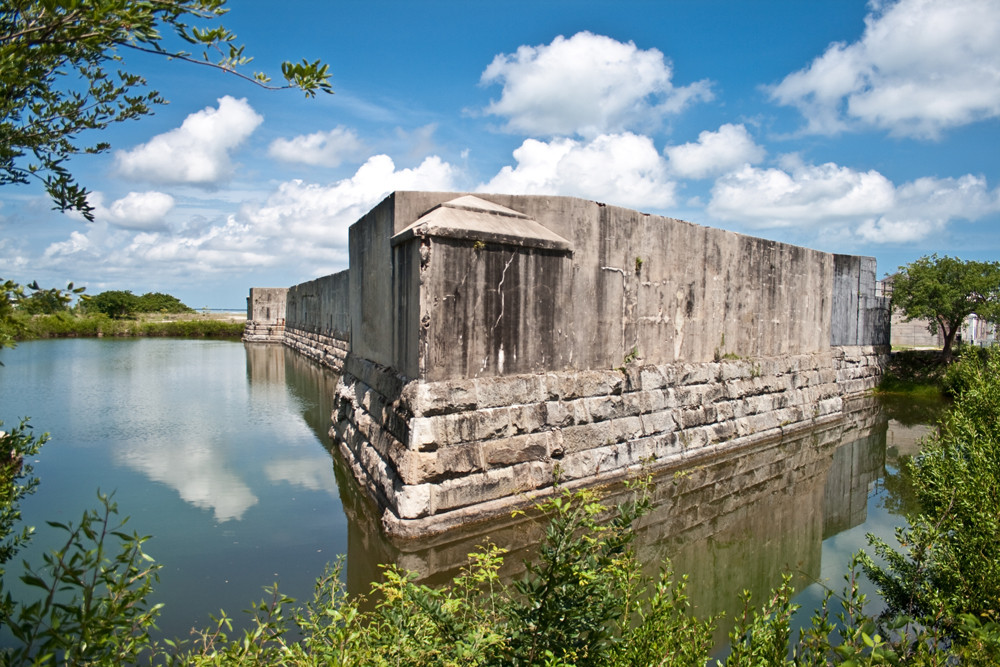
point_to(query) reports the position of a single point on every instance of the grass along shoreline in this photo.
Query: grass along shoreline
(176, 325)
(924, 375)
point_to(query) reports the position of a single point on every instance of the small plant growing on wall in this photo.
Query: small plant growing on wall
(478, 245)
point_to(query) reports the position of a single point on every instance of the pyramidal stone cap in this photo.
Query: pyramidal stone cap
(470, 218)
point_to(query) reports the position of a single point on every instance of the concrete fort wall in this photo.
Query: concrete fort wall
(437, 302)
(860, 315)
(487, 342)
(318, 319)
(312, 318)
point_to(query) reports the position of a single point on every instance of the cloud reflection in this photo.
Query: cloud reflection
(315, 474)
(197, 472)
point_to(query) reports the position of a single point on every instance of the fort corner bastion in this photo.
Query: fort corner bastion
(487, 342)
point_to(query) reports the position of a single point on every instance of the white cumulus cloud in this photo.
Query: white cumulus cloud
(588, 85)
(198, 152)
(921, 66)
(301, 213)
(799, 194)
(75, 244)
(300, 228)
(136, 210)
(927, 205)
(714, 153)
(865, 204)
(623, 169)
(322, 149)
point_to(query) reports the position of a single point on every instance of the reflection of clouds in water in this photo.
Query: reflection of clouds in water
(314, 474)
(196, 472)
(187, 416)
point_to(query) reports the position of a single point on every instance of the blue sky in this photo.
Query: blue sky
(859, 127)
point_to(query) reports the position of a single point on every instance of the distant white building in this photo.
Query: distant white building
(976, 331)
(915, 333)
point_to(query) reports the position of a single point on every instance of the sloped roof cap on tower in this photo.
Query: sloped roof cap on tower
(470, 218)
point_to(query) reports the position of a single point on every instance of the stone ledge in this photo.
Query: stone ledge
(453, 449)
(428, 399)
(673, 456)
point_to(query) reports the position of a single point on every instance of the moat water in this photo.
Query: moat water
(220, 452)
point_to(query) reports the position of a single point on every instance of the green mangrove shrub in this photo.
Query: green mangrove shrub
(949, 563)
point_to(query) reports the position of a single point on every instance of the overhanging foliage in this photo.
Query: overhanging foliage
(63, 72)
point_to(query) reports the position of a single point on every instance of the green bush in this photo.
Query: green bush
(959, 376)
(116, 304)
(24, 327)
(92, 607)
(43, 302)
(914, 373)
(16, 482)
(949, 567)
(157, 302)
(193, 328)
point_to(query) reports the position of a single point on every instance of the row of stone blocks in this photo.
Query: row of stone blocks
(439, 454)
(696, 503)
(323, 348)
(263, 332)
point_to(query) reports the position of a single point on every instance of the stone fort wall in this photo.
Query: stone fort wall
(485, 343)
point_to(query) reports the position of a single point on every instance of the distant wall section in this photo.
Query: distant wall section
(266, 315)
(312, 318)
(318, 319)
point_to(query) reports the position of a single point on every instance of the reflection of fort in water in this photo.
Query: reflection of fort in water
(732, 521)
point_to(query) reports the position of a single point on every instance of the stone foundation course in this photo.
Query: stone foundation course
(439, 454)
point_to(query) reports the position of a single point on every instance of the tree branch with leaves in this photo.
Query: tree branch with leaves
(62, 72)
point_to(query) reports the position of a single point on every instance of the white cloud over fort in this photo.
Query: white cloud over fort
(715, 153)
(863, 203)
(586, 85)
(324, 149)
(197, 152)
(624, 169)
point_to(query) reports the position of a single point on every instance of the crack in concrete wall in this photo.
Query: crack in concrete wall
(503, 277)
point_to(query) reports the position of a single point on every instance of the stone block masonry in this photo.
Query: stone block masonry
(311, 318)
(440, 454)
(772, 489)
(266, 315)
(488, 343)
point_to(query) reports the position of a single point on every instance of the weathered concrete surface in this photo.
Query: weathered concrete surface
(312, 318)
(266, 315)
(622, 281)
(478, 337)
(318, 323)
(860, 315)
